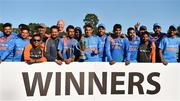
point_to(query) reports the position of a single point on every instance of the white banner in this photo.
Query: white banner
(90, 81)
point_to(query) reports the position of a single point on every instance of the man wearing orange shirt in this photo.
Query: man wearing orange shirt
(34, 52)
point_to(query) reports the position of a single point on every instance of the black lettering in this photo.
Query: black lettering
(137, 84)
(154, 83)
(58, 83)
(37, 78)
(114, 82)
(102, 88)
(79, 88)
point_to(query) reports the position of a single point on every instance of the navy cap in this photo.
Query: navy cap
(172, 27)
(78, 28)
(22, 26)
(156, 25)
(101, 26)
(143, 27)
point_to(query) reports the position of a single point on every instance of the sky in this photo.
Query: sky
(109, 12)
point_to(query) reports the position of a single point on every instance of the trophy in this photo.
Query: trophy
(82, 49)
(69, 53)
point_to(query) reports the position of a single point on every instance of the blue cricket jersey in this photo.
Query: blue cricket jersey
(102, 54)
(19, 45)
(92, 43)
(14, 51)
(117, 49)
(13, 34)
(5, 45)
(133, 48)
(65, 44)
(170, 46)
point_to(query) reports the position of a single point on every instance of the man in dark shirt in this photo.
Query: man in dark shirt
(51, 51)
(146, 51)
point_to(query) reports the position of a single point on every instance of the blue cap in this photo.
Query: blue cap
(101, 26)
(156, 25)
(143, 27)
(173, 27)
(79, 29)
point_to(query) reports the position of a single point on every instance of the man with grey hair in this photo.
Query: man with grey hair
(60, 24)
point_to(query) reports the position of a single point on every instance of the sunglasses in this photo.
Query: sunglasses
(36, 40)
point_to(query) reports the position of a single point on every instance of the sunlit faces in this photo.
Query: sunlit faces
(145, 38)
(71, 32)
(117, 31)
(7, 30)
(37, 41)
(54, 33)
(89, 31)
(157, 29)
(77, 33)
(60, 24)
(42, 30)
(172, 32)
(131, 33)
(101, 31)
(24, 34)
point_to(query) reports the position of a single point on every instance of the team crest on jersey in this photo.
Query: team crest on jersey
(3, 39)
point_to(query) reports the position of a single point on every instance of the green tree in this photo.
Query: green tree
(47, 30)
(91, 19)
(16, 30)
(33, 27)
(1, 26)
